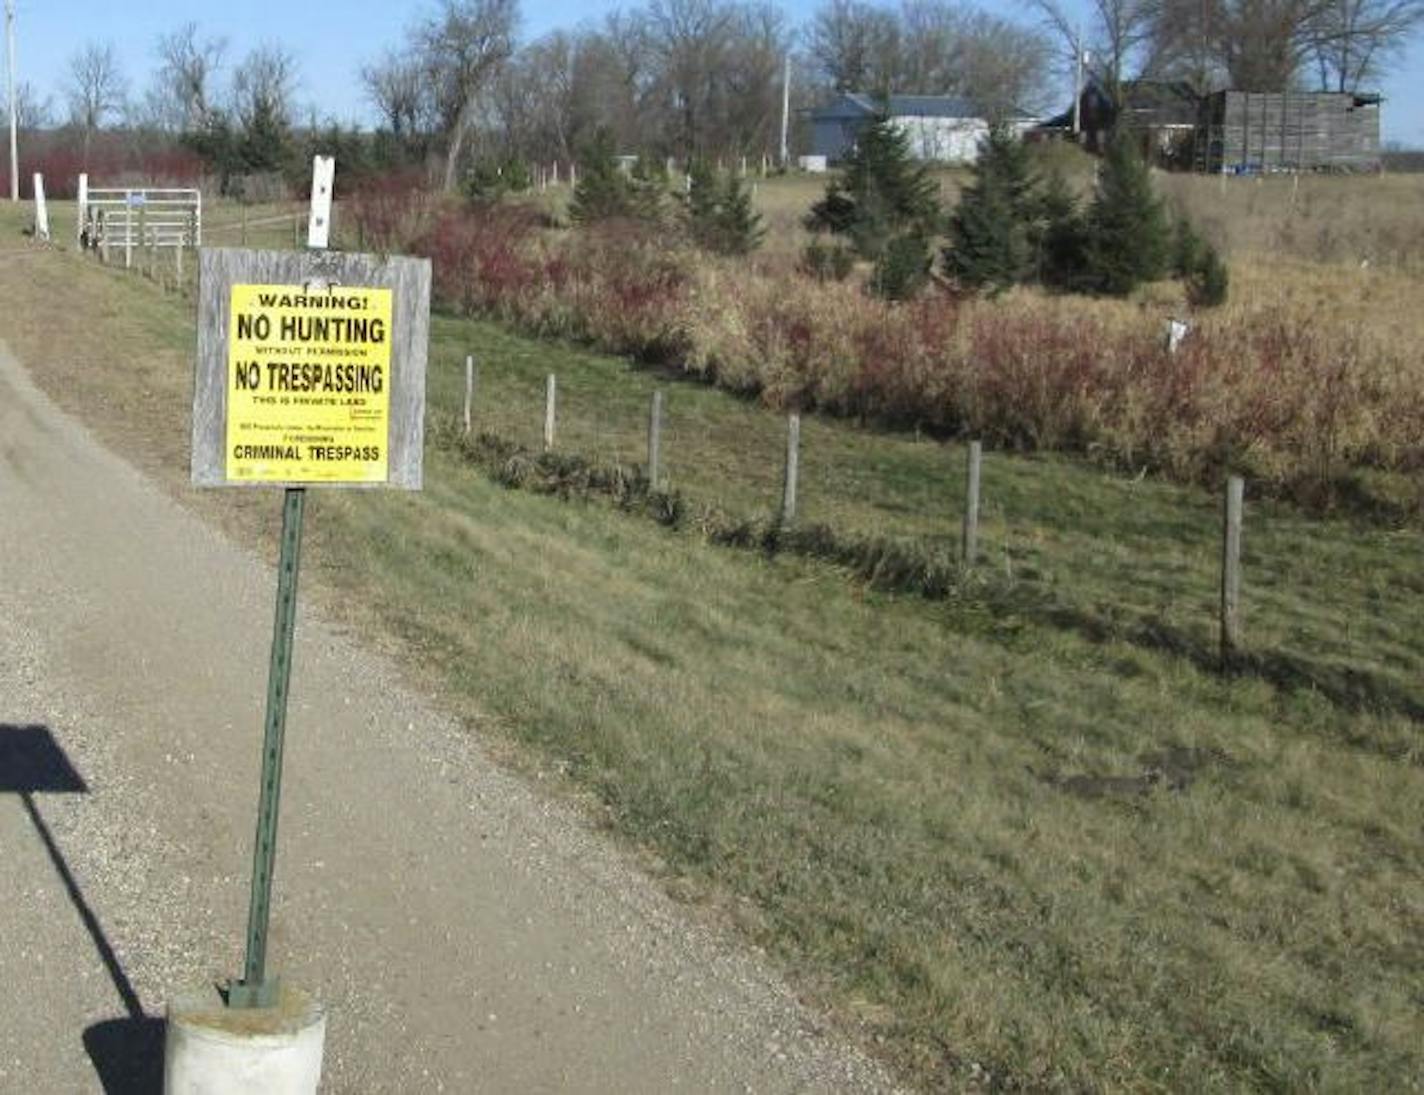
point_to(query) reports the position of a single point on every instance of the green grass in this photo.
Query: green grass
(863, 781)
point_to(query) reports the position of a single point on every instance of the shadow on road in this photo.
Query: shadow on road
(127, 1053)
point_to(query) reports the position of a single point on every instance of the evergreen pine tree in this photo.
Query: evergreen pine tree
(1187, 248)
(991, 234)
(484, 184)
(217, 146)
(266, 143)
(1209, 281)
(701, 203)
(902, 268)
(602, 191)
(1128, 241)
(742, 229)
(1059, 235)
(720, 215)
(827, 261)
(647, 190)
(882, 194)
(835, 213)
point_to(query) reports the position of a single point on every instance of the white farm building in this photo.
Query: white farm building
(940, 127)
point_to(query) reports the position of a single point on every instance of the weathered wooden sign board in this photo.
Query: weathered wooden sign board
(310, 370)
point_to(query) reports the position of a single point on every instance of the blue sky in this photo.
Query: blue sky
(331, 40)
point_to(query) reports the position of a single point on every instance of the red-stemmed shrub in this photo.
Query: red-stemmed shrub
(1279, 396)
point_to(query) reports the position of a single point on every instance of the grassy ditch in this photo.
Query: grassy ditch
(1029, 844)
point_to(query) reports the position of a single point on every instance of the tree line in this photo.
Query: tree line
(702, 80)
(1246, 45)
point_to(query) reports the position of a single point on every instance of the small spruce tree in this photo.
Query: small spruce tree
(902, 268)
(1059, 235)
(835, 213)
(647, 190)
(719, 212)
(1128, 241)
(266, 143)
(1207, 281)
(990, 232)
(215, 143)
(1187, 248)
(741, 225)
(603, 190)
(484, 184)
(883, 193)
(827, 261)
(701, 208)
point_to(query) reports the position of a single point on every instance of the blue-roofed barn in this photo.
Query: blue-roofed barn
(943, 128)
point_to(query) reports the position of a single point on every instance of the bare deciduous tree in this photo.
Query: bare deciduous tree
(855, 46)
(1184, 41)
(690, 39)
(264, 84)
(1262, 43)
(1356, 41)
(32, 112)
(698, 78)
(397, 87)
(1121, 40)
(1002, 66)
(187, 71)
(96, 89)
(931, 47)
(460, 49)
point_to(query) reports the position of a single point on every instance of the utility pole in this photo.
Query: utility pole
(785, 109)
(1078, 83)
(10, 71)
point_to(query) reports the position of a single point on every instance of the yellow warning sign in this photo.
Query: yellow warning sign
(308, 384)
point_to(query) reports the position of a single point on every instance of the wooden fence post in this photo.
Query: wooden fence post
(969, 546)
(655, 439)
(549, 398)
(793, 459)
(469, 389)
(1231, 570)
(244, 222)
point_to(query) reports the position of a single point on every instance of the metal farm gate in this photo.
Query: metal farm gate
(138, 217)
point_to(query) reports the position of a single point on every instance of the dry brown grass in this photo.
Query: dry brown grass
(1372, 221)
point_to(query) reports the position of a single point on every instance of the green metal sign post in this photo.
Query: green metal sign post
(258, 422)
(256, 990)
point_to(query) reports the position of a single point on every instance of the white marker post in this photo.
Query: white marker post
(41, 213)
(81, 215)
(323, 179)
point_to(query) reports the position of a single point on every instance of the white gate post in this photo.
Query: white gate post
(82, 213)
(41, 213)
(319, 225)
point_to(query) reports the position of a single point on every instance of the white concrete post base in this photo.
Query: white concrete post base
(211, 1049)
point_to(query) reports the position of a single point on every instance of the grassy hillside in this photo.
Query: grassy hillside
(1023, 835)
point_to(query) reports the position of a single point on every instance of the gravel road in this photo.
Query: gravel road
(466, 932)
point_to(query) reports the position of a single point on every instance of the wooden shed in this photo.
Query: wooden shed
(1243, 132)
